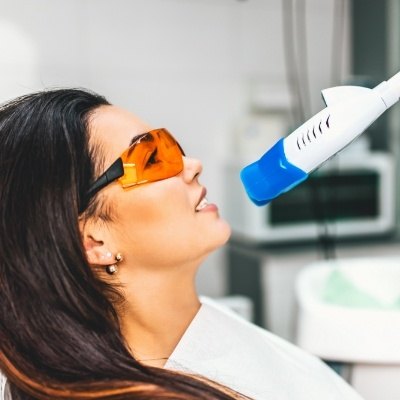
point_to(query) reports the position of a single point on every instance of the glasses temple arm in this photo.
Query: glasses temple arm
(115, 171)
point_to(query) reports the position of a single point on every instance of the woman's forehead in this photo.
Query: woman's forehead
(113, 128)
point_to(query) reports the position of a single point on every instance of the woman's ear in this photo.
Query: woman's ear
(97, 253)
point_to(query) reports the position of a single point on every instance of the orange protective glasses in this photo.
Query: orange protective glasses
(152, 156)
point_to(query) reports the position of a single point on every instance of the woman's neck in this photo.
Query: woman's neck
(158, 309)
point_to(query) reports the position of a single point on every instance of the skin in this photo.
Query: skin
(162, 238)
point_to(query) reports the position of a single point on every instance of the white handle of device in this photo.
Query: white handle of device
(350, 110)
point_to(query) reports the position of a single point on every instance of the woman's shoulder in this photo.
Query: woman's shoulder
(224, 347)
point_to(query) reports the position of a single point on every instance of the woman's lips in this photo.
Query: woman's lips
(209, 207)
(202, 200)
(203, 204)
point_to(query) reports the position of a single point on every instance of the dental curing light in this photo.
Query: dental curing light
(350, 110)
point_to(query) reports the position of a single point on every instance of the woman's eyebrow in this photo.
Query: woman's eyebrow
(136, 138)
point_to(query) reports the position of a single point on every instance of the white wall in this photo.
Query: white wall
(182, 64)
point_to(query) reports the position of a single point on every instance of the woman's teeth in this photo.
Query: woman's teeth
(202, 204)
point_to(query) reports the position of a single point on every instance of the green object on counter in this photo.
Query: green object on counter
(339, 290)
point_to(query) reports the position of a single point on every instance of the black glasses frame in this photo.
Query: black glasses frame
(113, 172)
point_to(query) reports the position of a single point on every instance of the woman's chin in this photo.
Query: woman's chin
(228, 231)
(223, 234)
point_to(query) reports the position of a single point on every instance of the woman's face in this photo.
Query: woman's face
(155, 224)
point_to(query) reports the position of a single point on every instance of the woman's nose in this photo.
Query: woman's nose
(192, 168)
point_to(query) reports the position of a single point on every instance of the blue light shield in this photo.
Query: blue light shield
(271, 175)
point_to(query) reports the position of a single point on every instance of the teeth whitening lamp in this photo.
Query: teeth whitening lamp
(350, 110)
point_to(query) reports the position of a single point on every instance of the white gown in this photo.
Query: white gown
(223, 347)
(2, 386)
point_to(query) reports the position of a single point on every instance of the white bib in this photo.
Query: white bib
(225, 348)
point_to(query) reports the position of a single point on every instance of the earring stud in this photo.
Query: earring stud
(111, 269)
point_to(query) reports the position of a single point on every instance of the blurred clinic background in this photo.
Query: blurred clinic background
(320, 265)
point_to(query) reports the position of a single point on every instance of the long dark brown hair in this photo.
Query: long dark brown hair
(59, 331)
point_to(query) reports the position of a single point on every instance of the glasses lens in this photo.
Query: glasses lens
(154, 156)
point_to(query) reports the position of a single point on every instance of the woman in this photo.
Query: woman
(103, 224)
